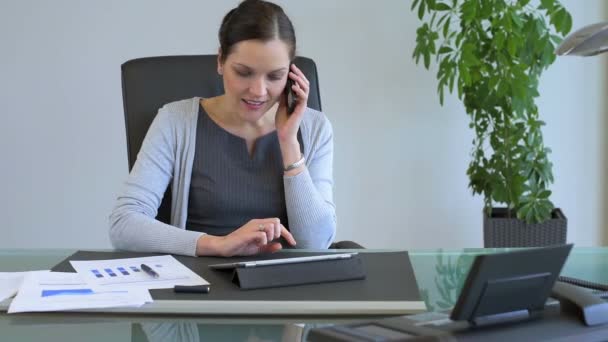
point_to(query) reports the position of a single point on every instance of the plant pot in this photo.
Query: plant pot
(502, 231)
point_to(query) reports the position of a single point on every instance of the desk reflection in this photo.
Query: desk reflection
(195, 332)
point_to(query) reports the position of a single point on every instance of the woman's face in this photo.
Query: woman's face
(255, 73)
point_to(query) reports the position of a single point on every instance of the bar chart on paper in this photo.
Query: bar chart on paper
(163, 272)
(58, 291)
(133, 274)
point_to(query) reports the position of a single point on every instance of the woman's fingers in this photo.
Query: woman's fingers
(300, 82)
(299, 73)
(287, 235)
(271, 247)
(301, 93)
(300, 89)
(267, 229)
(272, 227)
(258, 236)
(277, 229)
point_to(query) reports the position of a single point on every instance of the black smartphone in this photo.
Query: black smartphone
(290, 97)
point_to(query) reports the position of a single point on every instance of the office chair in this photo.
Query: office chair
(149, 83)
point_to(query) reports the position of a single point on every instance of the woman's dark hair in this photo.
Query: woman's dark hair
(256, 19)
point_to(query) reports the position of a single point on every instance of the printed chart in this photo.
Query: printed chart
(149, 272)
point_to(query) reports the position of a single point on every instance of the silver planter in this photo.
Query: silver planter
(501, 231)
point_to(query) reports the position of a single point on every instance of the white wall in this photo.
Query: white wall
(400, 158)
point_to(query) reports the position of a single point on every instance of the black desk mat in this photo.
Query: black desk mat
(390, 277)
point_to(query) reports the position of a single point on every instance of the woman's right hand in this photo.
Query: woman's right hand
(254, 237)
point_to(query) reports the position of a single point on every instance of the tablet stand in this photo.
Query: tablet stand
(248, 278)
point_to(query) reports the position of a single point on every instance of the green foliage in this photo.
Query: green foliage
(492, 52)
(449, 279)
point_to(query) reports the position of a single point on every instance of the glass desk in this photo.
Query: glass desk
(440, 274)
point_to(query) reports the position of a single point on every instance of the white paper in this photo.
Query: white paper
(58, 291)
(9, 283)
(127, 273)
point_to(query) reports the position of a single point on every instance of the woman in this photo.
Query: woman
(242, 169)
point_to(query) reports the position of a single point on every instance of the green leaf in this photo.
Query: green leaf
(512, 47)
(517, 20)
(507, 23)
(468, 55)
(469, 10)
(485, 10)
(414, 3)
(500, 193)
(460, 87)
(518, 89)
(464, 75)
(444, 49)
(547, 4)
(538, 217)
(499, 40)
(421, 9)
(442, 19)
(547, 174)
(555, 39)
(433, 17)
(524, 211)
(530, 157)
(459, 38)
(493, 82)
(529, 217)
(452, 78)
(557, 19)
(502, 88)
(544, 194)
(446, 27)
(442, 7)
(567, 23)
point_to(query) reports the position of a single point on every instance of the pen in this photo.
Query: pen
(149, 270)
(191, 289)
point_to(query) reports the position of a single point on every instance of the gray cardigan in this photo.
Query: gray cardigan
(167, 155)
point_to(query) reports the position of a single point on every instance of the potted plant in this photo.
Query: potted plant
(493, 53)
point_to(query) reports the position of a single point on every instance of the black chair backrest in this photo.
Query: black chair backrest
(149, 83)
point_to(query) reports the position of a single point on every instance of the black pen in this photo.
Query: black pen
(191, 289)
(149, 270)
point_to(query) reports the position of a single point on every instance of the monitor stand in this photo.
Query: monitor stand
(505, 317)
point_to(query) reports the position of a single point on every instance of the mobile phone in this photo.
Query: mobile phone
(290, 97)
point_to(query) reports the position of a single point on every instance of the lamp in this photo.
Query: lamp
(587, 41)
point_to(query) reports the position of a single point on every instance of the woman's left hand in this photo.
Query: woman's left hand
(287, 124)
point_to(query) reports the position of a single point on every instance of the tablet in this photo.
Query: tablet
(257, 263)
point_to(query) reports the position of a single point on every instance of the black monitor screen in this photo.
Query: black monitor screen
(518, 281)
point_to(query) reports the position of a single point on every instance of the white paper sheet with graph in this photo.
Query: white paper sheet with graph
(126, 273)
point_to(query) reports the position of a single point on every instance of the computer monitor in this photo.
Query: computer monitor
(509, 286)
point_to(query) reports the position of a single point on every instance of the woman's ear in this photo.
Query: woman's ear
(220, 65)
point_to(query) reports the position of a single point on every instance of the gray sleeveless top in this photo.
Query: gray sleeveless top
(229, 187)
